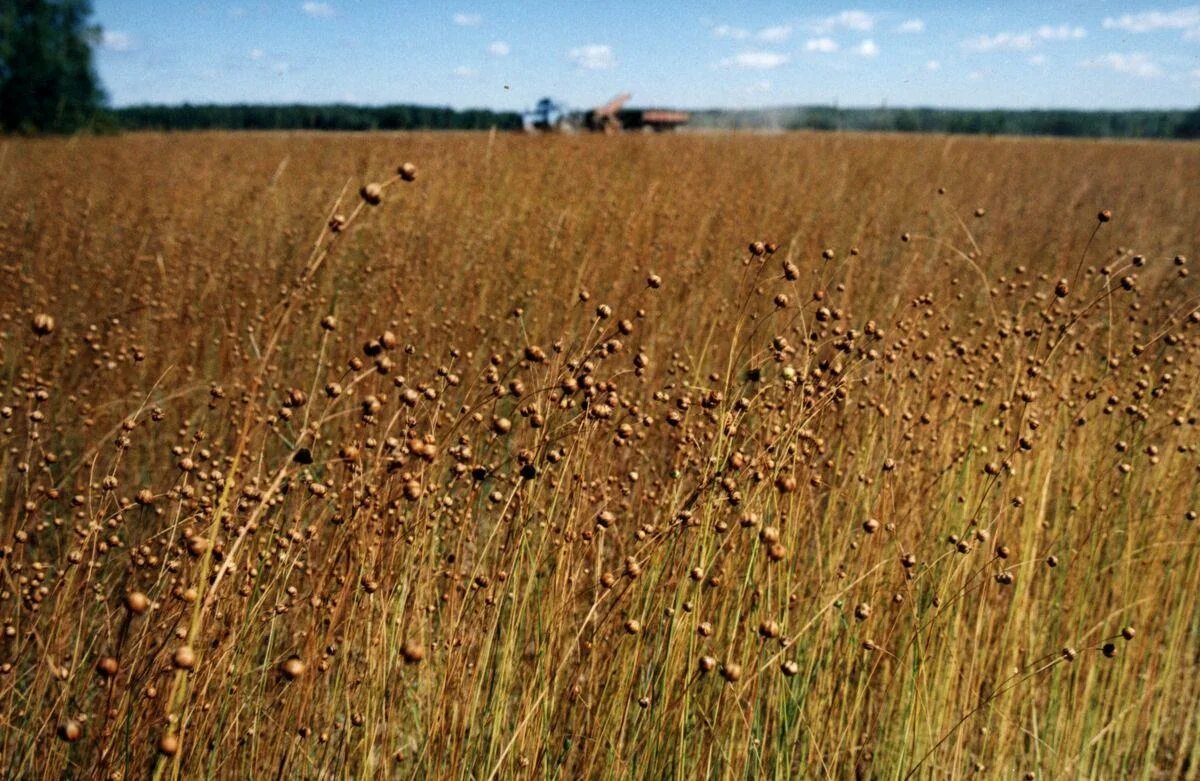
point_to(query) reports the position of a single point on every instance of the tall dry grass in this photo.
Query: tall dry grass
(659, 457)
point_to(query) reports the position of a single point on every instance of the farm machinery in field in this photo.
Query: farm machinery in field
(550, 116)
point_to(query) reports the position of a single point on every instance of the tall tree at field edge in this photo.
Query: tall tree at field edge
(48, 81)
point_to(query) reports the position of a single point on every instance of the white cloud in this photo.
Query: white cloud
(933, 65)
(1062, 32)
(256, 54)
(725, 31)
(774, 34)
(1006, 41)
(1148, 21)
(593, 56)
(467, 20)
(867, 48)
(860, 21)
(498, 49)
(318, 10)
(777, 34)
(975, 75)
(1136, 64)
(999, 42)
(912, 26)
(116, 41)
(758, 88)
(280, 68)
(463, 72)
(755, 60)
(1037, 59)
(822, 45)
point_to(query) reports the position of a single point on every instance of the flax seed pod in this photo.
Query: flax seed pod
(372, 193)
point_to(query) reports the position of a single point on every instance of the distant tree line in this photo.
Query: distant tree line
(298, 116)
(1092, 124)
(1053, 122)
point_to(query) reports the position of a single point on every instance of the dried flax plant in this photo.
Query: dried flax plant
(511, 476)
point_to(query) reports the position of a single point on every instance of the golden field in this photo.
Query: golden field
(694, 456)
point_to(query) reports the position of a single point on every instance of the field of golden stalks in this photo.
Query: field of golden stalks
(796, 456)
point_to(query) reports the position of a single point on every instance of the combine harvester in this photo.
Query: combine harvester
(552, 117)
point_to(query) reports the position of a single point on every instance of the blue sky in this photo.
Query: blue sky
(505, 55)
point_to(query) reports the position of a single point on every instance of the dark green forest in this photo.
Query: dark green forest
(1095, 124)
(309, 117)
(1084, 124)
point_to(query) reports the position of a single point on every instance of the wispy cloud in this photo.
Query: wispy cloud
(260, 57)
(467, 20)
(318, 10)
(867, 48)
(860, 21)
(774, 34)
(999, 42)
(1187, 18)
(498, 49)
(1007, 41)
(911, 26)
(1062, 32)
(755, 60)
(933, 65)
(117, 41)
(821, 45)
(726, 31)
(463, 72)
(777, 34)
(593, 56)
(1136, 64)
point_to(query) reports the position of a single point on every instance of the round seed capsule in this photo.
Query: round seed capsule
(168, 745)
(372, 193)
(136, 603)
(184, 658)
(413, 653)
(292, 668)
(70, 731)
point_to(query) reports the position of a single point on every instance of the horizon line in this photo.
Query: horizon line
(781, 107)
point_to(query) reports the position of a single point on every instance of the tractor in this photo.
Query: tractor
(612, 117)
